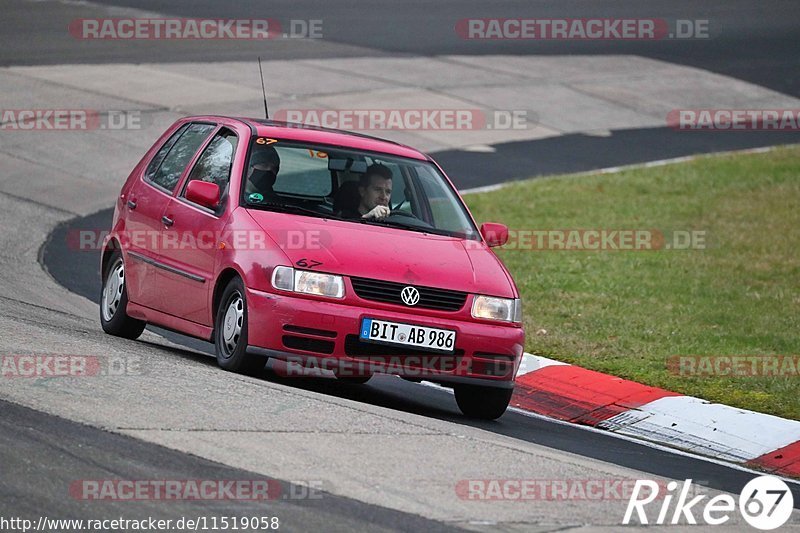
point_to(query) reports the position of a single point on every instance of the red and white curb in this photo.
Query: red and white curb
(574, 394)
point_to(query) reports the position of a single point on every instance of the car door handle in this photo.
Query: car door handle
(131, 204)
(167, 221)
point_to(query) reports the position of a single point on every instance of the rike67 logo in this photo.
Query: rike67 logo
(765, 503)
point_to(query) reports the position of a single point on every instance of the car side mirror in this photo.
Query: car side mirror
(494, 234)
(203, 193)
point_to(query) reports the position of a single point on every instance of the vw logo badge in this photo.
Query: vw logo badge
(410, 295)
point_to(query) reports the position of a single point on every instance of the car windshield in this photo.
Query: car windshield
(332, 182)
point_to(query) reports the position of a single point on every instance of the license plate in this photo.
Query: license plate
(396, 334)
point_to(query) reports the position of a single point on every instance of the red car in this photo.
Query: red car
(316, 247)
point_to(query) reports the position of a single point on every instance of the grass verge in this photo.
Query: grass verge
(631, 312)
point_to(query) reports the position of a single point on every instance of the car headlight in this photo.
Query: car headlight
(288, 279)
(502, 309)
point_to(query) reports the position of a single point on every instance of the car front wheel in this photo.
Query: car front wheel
(230, 332)
(486, 403)
(114, 302)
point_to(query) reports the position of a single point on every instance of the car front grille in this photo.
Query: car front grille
(389, 292)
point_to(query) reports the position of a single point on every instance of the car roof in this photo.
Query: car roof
(318, 135)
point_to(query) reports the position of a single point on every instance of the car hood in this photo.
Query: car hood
(386, 253)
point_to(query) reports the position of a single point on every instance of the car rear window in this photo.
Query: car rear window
(169, 163)
(304, 172)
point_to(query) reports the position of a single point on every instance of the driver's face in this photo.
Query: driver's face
(377, 193)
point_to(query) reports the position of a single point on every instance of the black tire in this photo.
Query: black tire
(485, 403)
(231, 343)
(114, 302)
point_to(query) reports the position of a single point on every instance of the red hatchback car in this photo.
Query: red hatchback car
(317, 247)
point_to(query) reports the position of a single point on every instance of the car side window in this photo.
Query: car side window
(214, 165)
(177, 155)
(152, 168)
(445, 211)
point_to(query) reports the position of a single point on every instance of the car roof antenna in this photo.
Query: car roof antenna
(263, 90)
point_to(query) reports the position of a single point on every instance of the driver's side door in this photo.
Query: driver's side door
(185, 284)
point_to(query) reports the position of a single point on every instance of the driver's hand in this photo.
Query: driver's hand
(379, 211)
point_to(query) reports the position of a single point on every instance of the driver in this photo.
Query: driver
(375, 190)
(264, 167)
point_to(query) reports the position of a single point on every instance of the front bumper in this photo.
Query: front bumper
(324, 335)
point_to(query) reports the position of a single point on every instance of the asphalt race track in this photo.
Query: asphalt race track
(747, 41)
(388, 455)
(752, 41)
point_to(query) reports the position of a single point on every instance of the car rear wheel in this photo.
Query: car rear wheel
(230, 332)
(114, 302)
(486, 403)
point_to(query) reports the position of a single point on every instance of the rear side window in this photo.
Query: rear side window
(169, 163)
(215, 164)
(152, 168)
